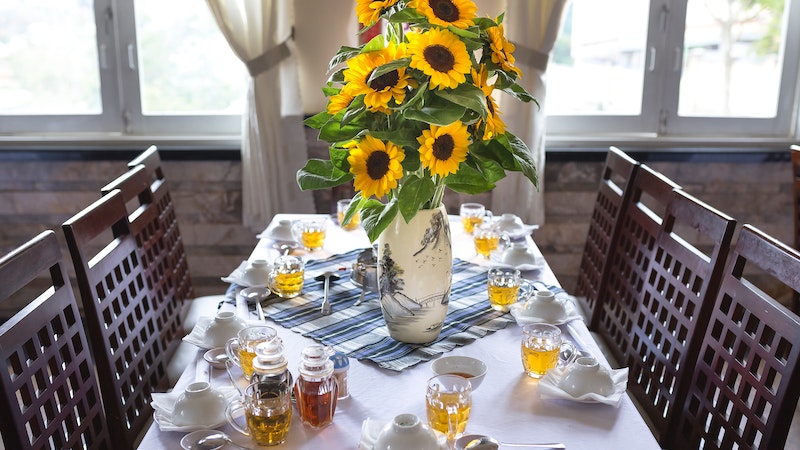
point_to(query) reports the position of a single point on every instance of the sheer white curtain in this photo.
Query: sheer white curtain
(273, 139)
(532, 25)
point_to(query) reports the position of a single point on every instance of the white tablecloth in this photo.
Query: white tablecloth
(506, 405)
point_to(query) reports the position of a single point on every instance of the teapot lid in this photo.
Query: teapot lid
(315, 362)
(269, 356)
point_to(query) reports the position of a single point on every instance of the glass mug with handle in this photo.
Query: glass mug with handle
(242, 349)
(472, 215)
(341, 210)
(267, 410)
(543, 348)
(310, 233)
(287, 276)
(506, 286)
(448, 401)
(487, 238)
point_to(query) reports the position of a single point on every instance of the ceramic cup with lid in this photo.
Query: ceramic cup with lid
(510, 224)
(257, 273)
(586, 376)
(406, 432)
(199, 405)
(224, 326)
(282, 231)
(545, 305)
(518, 254)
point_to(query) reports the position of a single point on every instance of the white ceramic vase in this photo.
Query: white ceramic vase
(415, 266)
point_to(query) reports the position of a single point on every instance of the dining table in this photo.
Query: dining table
(508, 404)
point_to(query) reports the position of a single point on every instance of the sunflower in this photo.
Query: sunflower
(340, 101)
(441, 55)
(380, 91)
(369, 11)
(502, 50)
(376, 166)
(494, 125)
(458, 13)
(442, 149)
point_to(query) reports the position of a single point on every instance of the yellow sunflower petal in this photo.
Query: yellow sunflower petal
(369, 11)
(502, 50)
(375, 164)
(458, 13)
(442, 149)
(441, 55)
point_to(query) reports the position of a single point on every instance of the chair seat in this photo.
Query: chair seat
(198, 307)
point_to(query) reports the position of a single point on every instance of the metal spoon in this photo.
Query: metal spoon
(217, 440)
(479, 442)
(326, 305)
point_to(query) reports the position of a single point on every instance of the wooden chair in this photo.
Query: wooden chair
(629, 258)
(50, 394)
(676, 297)
(611, 195)
(122, 318)
(745, 380)
(795, 152)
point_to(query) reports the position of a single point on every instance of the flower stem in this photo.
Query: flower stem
(438, 193)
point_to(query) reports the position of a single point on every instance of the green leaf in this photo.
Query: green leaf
(334, 131)
(355, 109)
(520, 93)
(407, 15)
(355, 206)
(375, 44)
(468, 181)
(491, 170)
(416, 100)
(339, 158)
(388, 67)
(375, 217)
(437, 111)
(330, 91)
(411, 162)
(498, 150)
(484, 22)
(414, 193)
(321, 174)
(404, 137)
(464, 33)
(467, 95)
(318, 120)
(342, 56)
(337, 77)
(524, 158)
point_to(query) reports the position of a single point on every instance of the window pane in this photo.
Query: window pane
(732, 58)
(597, 67)
(185, 64)
(48, 58)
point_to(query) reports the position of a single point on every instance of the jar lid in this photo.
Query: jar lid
(315, 362)
(340, 362)
(269, 356)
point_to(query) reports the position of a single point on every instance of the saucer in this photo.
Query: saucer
(164, 402)
(522, 316)
(549, 387)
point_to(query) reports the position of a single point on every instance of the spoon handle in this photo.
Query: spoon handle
(326, 306)
(234, 444)
(554, 445)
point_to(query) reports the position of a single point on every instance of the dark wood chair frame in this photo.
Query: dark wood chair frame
(121, 315)
(795, 153)
(50, 394)
(612, 194)
(629, 259)
(745, 381)
(675, 303)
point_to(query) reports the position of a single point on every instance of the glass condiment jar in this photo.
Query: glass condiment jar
(315, 389)
(270, 364)
(340, 366)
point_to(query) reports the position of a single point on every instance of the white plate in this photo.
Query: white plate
(549, 387)
(523, 318)
(495, 261)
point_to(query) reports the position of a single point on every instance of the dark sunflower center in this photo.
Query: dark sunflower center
(377, 165)
(439, 57)
(443, 147)
(445, 10)
(384, 81)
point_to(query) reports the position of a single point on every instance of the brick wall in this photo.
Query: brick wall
(37, 195)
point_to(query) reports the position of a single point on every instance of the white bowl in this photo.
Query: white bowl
(586, 376)
(546, 306)
(470, 368)
(406, 432)
(224, 326)
(199, 405)
(518, 254)
(281, 232)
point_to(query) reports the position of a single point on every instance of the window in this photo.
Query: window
(676, 68)
(141, 67)
(659, 68)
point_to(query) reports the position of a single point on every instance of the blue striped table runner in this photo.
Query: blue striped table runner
(360, 331)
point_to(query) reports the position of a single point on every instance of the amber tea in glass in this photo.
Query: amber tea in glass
(542, 346)
(504, 286)
(448, 401)
(472, 215)
(242, 348)
(268, 412)
(287, 276)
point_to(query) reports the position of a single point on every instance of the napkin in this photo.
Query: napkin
(237, 276)
(198, 334)
(549, 388)
(163, 404)
(371, 428)
(523, 317)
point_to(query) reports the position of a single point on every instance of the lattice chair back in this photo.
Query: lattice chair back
(795, 152)
(745, 381)
(51, 398)
(677, 295)
(618, 171)
(122, 316)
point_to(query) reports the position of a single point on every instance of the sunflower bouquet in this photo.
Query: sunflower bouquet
(411, 111)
